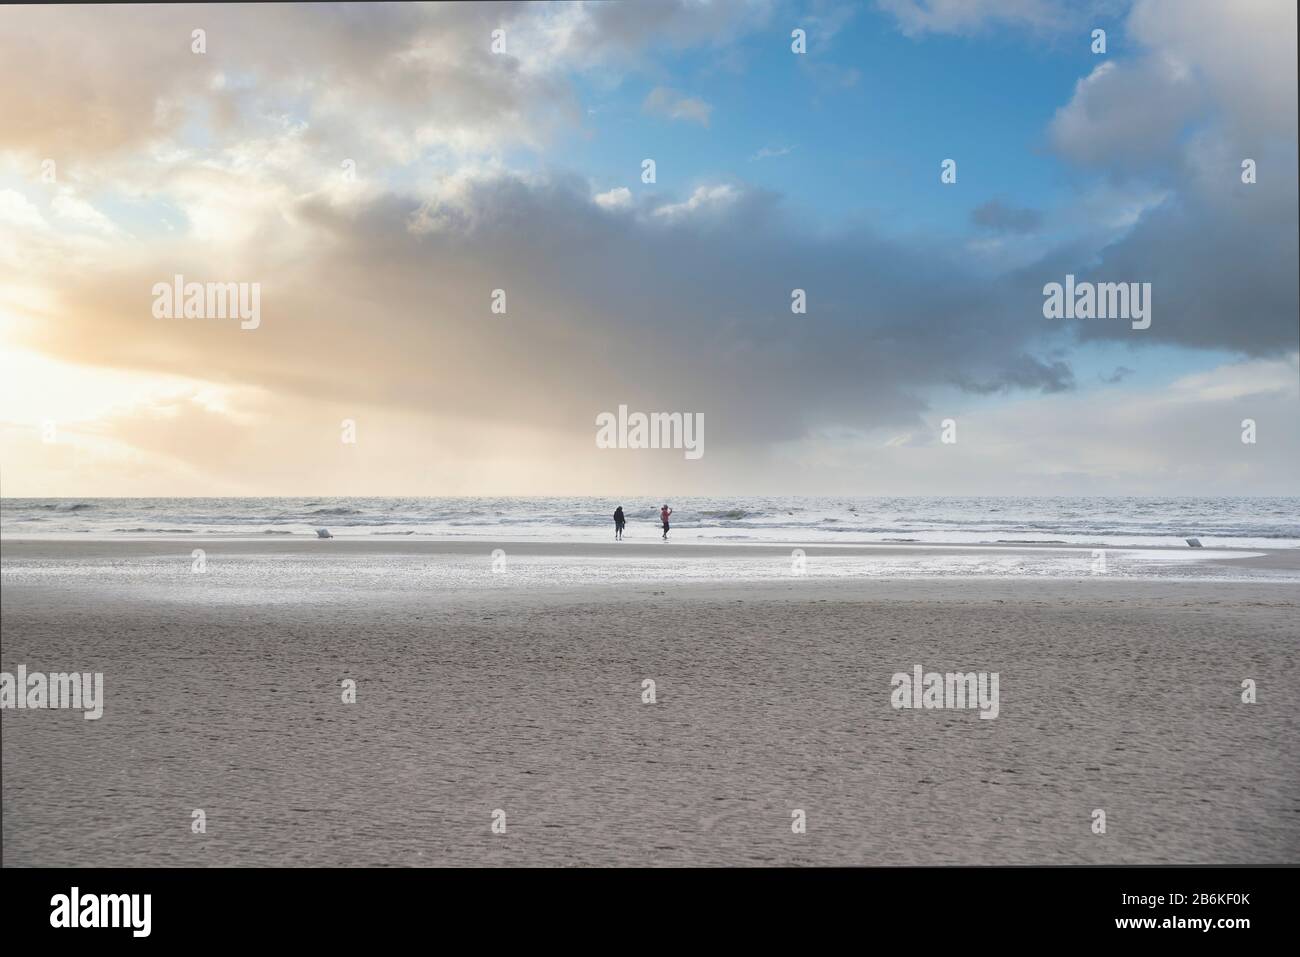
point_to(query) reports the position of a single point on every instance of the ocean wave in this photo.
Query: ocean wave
(170, 531)
(729, 514)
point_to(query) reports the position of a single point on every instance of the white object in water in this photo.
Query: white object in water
(323, 533)
(1194, 542)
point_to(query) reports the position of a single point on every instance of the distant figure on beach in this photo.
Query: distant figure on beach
(663, 516)
(619, 522)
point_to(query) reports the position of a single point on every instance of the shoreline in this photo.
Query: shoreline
(47, 549)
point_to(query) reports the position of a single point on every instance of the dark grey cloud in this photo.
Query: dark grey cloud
(1220, 256)
(682, 312)
(1208, 86)
(1022, 372)
(1005, 218)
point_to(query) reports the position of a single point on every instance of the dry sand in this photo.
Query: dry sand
(771, 696)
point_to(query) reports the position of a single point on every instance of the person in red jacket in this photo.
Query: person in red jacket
(663, 516)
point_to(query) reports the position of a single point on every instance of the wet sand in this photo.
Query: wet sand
(770, 697)
(681, 545)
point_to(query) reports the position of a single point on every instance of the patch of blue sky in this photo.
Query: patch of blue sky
(861, 127)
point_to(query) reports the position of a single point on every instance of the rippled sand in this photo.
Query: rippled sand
(772, 695)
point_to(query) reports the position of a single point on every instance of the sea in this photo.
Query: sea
(1228, 522)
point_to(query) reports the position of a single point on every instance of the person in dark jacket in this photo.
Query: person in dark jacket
(619, 522)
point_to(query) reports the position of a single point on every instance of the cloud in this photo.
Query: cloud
(1180, 117)
(1001, 217)
(603, 32)
(17, 211)
(771, 152)
(1127, 115)
(917, 17)
(620, 197)
(1179, 438)
(402, 79)
(1243, 52)
(1022, 372)
(669, 103)
(71, 208)
(384, 302)
(704, 198)
(1231, 66)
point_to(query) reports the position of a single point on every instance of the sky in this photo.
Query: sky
(380, 170)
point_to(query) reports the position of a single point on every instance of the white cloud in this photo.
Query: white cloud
(17, 210)
(1259, 377)
(1126, 114)
(75, 210)
(1244, 50)
(620, 197)
(663, 101)
(704, 197)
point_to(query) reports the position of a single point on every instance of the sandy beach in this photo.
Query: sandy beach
(772, 695)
